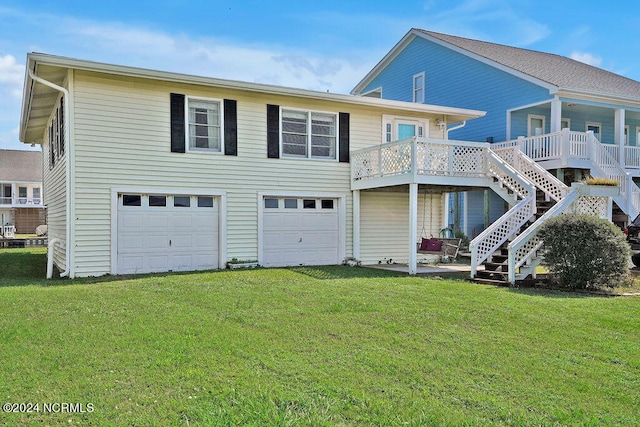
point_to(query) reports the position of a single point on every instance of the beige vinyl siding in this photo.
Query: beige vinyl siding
(122, 139)
(54, 183)
(384, 224)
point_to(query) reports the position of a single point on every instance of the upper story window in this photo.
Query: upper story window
(418, 88)
(56, 140)
(307, 134)
(204, 118)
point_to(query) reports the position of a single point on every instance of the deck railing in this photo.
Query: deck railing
(602, 159)
(422, 156)
(18, 201)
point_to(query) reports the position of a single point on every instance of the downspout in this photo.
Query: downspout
(65, 93)
(461, 125)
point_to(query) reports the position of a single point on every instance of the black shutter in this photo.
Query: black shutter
(343, 137)
(273, 131)
(177, 123)
(230, 127)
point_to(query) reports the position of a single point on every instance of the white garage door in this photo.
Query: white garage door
(300, 231)
(159, 233)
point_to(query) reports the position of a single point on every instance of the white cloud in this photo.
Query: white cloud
(125, 45)
(11, 76)
(587, 58)
(503, 23)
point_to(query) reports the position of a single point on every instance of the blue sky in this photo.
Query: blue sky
(320, 45)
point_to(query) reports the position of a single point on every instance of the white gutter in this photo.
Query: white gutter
(460, 126)
(65, 93)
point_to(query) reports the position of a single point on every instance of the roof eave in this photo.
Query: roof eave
(35, 59)
(603, 97)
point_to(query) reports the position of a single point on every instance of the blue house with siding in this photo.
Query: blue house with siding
(553, 107)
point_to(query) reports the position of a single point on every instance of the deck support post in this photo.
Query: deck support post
(413, 228)
(356, 224)
(620, 139)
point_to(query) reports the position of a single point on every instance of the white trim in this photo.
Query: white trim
(222, 216)
(371, 92)
(594, 124)
(394, 121)
(309, 156)
(423, 88)
(626, 135)
(408, 38)
(342, 216)
(356, 223)
(522, 107)
(36, 59)
(537, 117)
(564, 119)
(187, 129)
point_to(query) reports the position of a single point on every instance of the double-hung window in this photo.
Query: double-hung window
(205, 119)
(418, 88)
(307, 134)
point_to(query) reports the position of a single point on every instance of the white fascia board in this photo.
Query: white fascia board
(247, 86)
(605, 99)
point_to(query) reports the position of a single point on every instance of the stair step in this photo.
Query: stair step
(493, 266)
(490, 281)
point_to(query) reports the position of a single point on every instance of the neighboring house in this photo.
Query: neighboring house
(21, 203)
(150, 171)
(525, 94)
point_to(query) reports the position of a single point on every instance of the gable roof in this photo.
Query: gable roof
(559, 72)
(38, 99)
(20, 166)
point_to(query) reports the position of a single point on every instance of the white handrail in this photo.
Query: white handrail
(487, 242)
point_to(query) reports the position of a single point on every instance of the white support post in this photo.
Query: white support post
(356, 224)
(556, 115)
(565, 146)
(413, 228)
(590, 143)
(619, 135)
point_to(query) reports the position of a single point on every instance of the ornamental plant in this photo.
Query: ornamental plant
(585, 252)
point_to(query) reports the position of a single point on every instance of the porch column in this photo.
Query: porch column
(413, 228)
(356, 224)
(556, 115)
(619, 134)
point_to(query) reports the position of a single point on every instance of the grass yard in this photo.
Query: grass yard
(311, 346)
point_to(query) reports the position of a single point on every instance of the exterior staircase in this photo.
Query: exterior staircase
(510, 249)
(503, 262)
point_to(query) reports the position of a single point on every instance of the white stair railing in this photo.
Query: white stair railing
(487, 242)
(604, 165)
(552, 187)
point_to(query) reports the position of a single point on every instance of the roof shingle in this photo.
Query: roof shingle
(557, 70)
(20, 165)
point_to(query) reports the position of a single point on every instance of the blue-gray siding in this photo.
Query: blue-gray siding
(456, 80)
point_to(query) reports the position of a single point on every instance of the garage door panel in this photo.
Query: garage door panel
(168, 238)
(300, 237)
(156, 220)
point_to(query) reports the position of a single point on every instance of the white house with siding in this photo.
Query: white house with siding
(21, 199)
(151, 171)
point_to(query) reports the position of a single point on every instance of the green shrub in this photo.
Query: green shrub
(585, 252)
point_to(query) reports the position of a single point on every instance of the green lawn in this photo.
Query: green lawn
(312, 346)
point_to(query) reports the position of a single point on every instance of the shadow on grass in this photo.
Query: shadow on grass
(28, 267)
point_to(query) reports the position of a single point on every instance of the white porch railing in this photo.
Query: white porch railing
(18, 201)
(8, 231)
(602, 159)
(420, 156)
